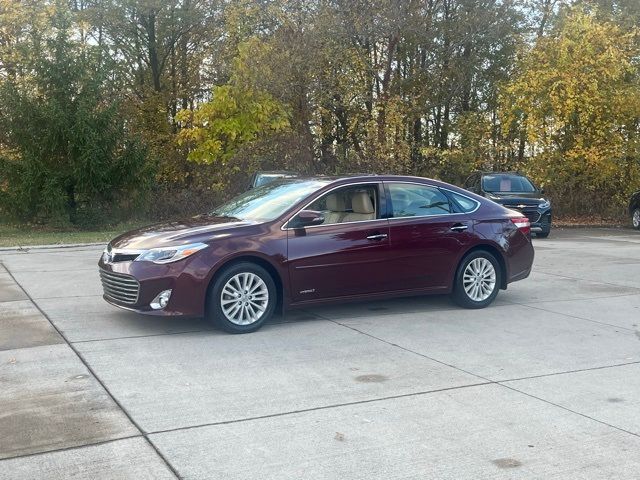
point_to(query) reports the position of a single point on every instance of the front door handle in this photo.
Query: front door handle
(377, 236)
(459, 227)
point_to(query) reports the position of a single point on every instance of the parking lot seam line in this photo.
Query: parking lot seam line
(592, 281)
(553, 374)
(581, 299)
(141, 336)
(74, 447)
(499, 383)
(99, 380)
(322, 407)
(478, 375)
(569, 410)
(166, 334)
(403, 312)
(409, 350)
(576, 317)
(14, 301)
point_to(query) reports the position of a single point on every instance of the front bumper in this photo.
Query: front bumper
(539, 218)
(188, 291)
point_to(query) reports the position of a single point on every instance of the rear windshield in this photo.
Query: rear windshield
(507, 183)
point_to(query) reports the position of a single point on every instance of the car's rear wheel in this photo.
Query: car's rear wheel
(242, 298)
(477, 280)
(635, 219)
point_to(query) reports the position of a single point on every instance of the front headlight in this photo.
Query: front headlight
(544, 204)
(170, 254)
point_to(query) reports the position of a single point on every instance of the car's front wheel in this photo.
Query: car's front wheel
(635, 219)
(242, 298)
(477, 280)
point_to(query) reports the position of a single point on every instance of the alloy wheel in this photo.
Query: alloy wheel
(244, 298)
(635, 219)
(479, 279)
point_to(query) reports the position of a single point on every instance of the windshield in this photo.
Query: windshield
(503, 183)
(269, 201)
(264, 178)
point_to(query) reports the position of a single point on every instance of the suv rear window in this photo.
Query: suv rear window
(507, 183)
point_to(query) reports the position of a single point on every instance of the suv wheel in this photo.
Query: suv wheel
(635, 219)
(242, 298)
(477, 281)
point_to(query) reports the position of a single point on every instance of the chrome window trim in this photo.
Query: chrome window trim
(285, 227)
(382, 183)
(478, 204)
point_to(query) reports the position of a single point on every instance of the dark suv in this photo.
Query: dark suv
(517, 192)
(634, 210)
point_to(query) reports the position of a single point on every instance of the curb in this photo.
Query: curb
(52, 246)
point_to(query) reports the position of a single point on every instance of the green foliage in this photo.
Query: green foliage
(577, 100)
(216, 90)
(67, 156)
(236, 115)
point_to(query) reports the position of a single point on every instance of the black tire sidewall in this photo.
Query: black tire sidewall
(460, 296)
(214, 308)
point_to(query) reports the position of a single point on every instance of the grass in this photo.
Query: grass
(26, 235)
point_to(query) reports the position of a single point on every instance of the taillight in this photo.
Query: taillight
(523, 224)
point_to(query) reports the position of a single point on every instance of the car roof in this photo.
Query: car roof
(509, 172)
(346, 178)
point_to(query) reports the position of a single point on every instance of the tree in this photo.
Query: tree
(576, 97)
(68, 155)
(237, 114)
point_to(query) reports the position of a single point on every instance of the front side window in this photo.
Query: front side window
(354, 203)
(504, 183)
(412, 200)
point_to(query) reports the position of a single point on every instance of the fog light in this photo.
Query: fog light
(161, 300)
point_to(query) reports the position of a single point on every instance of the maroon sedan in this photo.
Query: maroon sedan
(303, 241)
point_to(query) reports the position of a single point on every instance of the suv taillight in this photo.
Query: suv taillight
(523, 224)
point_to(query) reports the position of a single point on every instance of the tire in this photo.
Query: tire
(491, 277)
(635, 219)
(543, 234)
(247, 313)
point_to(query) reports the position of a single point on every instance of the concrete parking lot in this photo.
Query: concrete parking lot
(543, 384)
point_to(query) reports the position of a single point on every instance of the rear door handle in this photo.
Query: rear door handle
(459, 227)
(377, 236)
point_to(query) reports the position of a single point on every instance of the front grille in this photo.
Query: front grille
(531, 213)
(124, 257)
(533, 216)
(119, 287)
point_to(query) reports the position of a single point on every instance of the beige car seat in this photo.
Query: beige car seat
(362, 208)
(336, 209)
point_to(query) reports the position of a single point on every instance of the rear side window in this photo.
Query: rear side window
(465, 204)
(413, 200)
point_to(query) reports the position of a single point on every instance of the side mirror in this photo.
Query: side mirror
(542, 191)
(307, 218)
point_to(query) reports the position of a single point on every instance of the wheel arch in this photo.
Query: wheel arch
(262, 262)
(493, 250)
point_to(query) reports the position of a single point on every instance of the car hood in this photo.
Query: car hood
(181, 232)
(518, 198)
